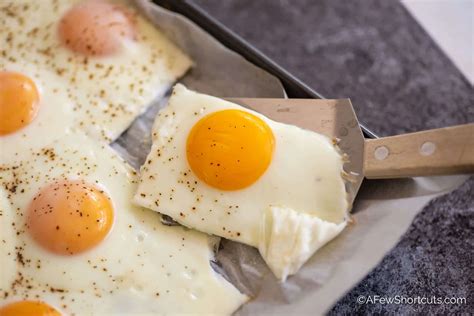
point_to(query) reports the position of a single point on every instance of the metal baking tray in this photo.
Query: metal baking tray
(294, 87)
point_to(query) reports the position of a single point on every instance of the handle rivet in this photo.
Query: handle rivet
(427, 148)
(381, 153)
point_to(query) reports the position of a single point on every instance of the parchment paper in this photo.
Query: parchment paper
(383, 210)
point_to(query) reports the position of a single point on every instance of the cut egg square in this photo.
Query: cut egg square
(228, 171)
(73, 241)
(111, 62)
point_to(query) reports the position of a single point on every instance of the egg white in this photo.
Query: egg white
(304, 176)
(7, 240)
(108, 93)
(142, 267)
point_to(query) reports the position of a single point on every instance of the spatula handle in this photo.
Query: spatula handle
(441, 151)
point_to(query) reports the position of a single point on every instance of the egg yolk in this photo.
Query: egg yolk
(19, 102)
(70, 217)
(96, 28)
(28, 308)
(230, 149)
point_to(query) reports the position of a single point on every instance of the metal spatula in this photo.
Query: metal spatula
(441, 151)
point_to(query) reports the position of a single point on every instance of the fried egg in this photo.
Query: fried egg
(229, 171)
(111, 62)
(34, 109)
(73, 244)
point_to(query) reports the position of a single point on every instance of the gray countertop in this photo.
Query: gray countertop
(399, 81)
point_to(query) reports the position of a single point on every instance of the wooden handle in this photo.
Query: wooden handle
(447, 150)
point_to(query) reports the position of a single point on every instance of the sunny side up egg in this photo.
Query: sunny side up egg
(229, 171)
(34, 109)
(72, 241)
(112, 63)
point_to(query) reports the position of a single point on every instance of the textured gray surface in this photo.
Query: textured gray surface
(399, 81)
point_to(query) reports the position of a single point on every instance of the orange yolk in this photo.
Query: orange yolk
(18, 102)
(28, 308)
(70, 217)
(96, 28)
(230, 149)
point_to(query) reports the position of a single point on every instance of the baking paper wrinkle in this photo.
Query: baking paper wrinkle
(382, 212)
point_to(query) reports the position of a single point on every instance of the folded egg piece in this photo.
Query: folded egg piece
(228, 171)
(72, 241)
